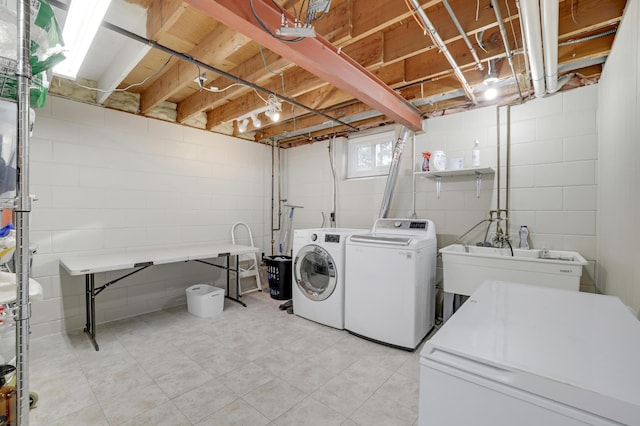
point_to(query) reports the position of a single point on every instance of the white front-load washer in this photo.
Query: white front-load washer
(319, 274)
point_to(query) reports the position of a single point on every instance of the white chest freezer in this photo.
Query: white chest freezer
(516, 354)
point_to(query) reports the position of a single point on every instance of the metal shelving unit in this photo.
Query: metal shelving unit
(21, 205)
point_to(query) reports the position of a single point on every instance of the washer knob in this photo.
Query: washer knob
(397, 224)
(314, 237)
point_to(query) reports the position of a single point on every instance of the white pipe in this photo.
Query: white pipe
(530, 16)
(550, 12)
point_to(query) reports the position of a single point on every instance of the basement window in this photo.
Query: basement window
(370, 155)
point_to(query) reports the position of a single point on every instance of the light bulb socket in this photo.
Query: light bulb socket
(256, 121)
(242, 125)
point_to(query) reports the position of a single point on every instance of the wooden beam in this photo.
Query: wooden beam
(396, 39)
(252, 70)
(588, 15)
(315, 55)
(370, 47)
(161, 16)
(218, 44)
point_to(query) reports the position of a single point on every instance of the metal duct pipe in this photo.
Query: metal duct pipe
(505, 39)
(394, 168)
(530, 15)
(443, 48)
(550, 11)
(454, 18)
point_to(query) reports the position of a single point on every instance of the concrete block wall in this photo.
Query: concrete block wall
(108, 181)
(553, 175)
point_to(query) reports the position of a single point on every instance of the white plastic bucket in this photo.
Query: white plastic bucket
(205, 300)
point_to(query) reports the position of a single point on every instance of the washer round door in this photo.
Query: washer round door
(315, 272)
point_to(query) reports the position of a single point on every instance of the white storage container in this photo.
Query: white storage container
(205, 300)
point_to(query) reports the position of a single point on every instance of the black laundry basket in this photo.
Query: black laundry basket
(279, 276)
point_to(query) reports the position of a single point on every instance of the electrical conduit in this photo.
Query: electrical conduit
(443, 48)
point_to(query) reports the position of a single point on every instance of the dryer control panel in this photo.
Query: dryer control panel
(383, 225)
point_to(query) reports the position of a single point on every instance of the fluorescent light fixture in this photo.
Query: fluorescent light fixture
(81, 25)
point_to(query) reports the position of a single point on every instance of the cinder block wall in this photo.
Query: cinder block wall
(108, 181)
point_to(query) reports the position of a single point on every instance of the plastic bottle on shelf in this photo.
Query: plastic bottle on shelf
(475, 154)
(524, 236)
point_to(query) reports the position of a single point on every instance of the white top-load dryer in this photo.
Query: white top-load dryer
(391, 273)
(318, 274)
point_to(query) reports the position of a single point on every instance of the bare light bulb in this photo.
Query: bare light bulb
(490, 93)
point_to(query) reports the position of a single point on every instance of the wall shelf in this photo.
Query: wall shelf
(477, 171)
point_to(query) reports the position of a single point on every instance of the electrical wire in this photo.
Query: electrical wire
(223, 73)
(573, 18)
(284, 90)
(95, 89)
(478, 11)
(266, 28)
(481, 43)
(413, 13)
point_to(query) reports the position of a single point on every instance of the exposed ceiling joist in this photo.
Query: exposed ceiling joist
(315, 55)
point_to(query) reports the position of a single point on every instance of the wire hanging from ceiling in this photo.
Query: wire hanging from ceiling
(140, 83)
(304, 19)
(281, 74)
(223, 73)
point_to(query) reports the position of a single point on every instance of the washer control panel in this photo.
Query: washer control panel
(332, 238)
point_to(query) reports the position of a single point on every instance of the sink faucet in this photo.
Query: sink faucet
(499, 239)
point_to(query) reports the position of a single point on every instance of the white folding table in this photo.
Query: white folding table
(142, 259)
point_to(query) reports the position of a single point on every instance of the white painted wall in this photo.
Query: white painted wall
(108, 181)
(618, 168)
(553, 175)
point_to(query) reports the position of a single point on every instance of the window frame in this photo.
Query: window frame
(371, 140)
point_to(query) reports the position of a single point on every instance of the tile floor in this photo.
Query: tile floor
(251, 366)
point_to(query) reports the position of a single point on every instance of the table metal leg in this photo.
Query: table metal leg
(227, 266)
(90, 302)
(237, 271)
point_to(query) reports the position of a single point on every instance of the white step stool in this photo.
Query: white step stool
(247, 263)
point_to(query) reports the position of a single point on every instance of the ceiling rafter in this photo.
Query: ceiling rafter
(301, 83)
(368, 39)
(162, 15)
(216, 46)
(381, 38)
(316, 55)
(416, 66)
